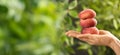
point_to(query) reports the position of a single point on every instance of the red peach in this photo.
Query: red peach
(88, 22)
(90, 30)
(87, 13)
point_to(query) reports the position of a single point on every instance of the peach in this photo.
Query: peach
(90, 30)
(88, 22)
(87, 13)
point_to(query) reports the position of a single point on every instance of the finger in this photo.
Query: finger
(102, 32)
(83, 36)
(89, 36)
(66, 33)
(72, 33)
(84, 39)
(87, 40)
(69, 32)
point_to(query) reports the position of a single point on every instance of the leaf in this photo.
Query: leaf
(3, 9)
(84, 46)
(73, 4)
(67, 41)
(72, 41)
(118, 20)
(73, 13)
(18, 30)
(110, 3)
(115, 24)
(1, 33)
(90, 52)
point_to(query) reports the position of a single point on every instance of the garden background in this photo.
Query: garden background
(37, 27)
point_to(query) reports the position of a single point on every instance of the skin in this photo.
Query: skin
(104, 38)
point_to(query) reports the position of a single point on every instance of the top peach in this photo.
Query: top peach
(87, 13)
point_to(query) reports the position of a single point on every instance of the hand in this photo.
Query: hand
(103, 38)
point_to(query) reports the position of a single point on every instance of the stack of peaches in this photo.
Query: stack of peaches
(88, 22)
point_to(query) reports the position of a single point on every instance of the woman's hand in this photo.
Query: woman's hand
(103, 38)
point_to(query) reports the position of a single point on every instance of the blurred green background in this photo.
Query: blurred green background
(37, 27)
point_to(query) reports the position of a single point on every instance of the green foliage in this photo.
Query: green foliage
(37, 27)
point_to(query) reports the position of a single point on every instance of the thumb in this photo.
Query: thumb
(101, 32)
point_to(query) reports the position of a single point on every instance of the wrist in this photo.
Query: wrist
(115, 45)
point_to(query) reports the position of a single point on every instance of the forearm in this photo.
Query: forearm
(115, 45)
